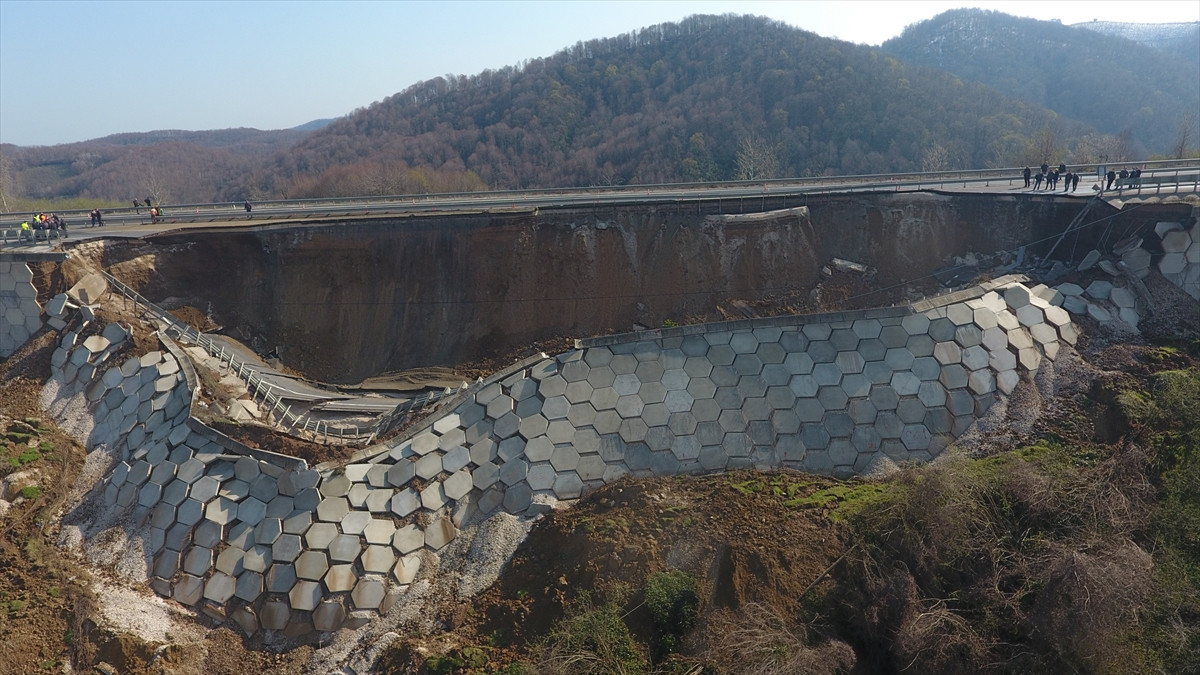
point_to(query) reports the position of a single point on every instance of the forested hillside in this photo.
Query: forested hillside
(171, 165)
(708, 98)
(1180, 40)
(1115, 84)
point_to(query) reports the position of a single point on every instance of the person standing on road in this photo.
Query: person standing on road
(1026, 174)
(1111, 176)
(1067, 181)
(248, 208)
(137, 207)
(1037, 182)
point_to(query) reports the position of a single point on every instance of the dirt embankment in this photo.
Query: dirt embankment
(348, 300)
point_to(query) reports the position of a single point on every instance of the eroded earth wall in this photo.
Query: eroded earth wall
(352, 299)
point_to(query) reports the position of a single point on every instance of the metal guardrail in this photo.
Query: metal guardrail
(1159, 173)
(259, 387)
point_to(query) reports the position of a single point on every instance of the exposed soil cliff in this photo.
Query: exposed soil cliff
(346, 300)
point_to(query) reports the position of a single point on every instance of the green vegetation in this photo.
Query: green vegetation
(61, 204)
(673, 604)
(1054, 557)
(466, 659)
(839, 499)
(591, 639)
(31, 492)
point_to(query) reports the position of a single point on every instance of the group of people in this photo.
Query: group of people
(154, 211)
(1051, 177)
(1127, 178)
(97, 218)
(43, 222)
(1048, 178)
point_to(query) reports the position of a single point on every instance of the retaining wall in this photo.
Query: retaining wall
(20, 313)
(274, 545)
(244, 534)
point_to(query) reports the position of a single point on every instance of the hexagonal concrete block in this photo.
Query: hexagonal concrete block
(219, 588)
(884, 397)
(981, 382)
(405, 502)
(305, 595)
(408, 539)
(433, 497)
(249, 586)
(905, 383)
(942, 329)
(974, 358)
(439, 533)
(188, 590)
(355, 522)
(888, 425)
(568, 485)
(947, 352)
(832, 398)
(198, 561)
(953, 376)
(329, 616)
(368, 593)
(960, 314)
(378, 559)
(333, 509)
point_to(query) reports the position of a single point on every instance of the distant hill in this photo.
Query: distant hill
(1180, 40)
(168, 165)
(314, 125)
(711, 97)
(1115, 84)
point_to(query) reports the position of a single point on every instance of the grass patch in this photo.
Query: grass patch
(673, 603)
(591, 639)
(844, 499)
(31, 492)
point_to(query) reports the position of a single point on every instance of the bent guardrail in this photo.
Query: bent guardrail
(274, 404)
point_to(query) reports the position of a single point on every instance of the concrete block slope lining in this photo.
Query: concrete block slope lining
(20, 313)
(825, 393)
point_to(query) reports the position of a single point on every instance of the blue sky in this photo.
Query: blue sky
(72, 71)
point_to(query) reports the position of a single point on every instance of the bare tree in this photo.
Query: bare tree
(8, 182)
(1183, 135)
(1044, 146)
(756, 159)
(935, 158)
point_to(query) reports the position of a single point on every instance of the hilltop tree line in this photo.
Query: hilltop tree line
(1119, 87)
(709, 98)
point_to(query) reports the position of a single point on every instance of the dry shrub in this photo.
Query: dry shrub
(758, 639)
(934, 639)
(1089, 606)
